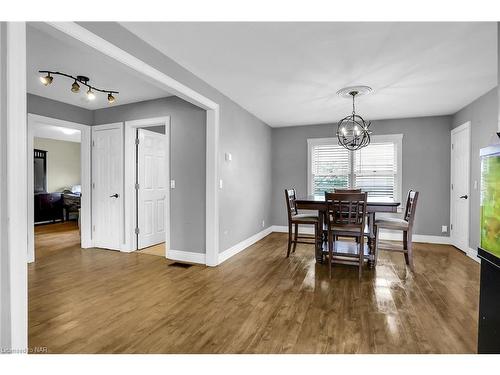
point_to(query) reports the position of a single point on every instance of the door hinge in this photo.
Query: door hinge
(137, 231)
(93, 228)
(451, 226)
(452, 146)
(137, 141)
(93, 185)
(451, 186)
(93, 143)
(136, 186)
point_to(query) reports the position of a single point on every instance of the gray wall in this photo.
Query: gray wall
(187, 163)
(426, 165)
(246, 196)
(39, 105)
(483, 115)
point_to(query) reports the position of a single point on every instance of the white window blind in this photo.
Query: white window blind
(375, 169)
(331, 168)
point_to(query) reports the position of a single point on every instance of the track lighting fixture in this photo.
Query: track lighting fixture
(111, 98)
(75, 87)
(90, 94)
(47, 80)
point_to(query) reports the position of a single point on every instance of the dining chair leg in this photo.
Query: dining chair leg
(331, 244)
(296, 234)
(289, 239)
(410, 250)
(375, 249)
(361, 255)
(405, 247)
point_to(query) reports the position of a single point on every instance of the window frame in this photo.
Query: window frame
(397, 139)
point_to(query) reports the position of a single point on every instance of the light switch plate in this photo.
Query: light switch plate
(444, 228)
(220, 184)
(228, 156)
(172, 184)
(475, 185)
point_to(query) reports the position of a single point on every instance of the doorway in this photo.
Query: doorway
(58, 156)
(460, 186)
(147, 184)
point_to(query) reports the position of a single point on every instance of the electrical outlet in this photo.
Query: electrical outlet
(172, 184)
(444, 228)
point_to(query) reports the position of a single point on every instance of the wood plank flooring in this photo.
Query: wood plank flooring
(101, 301)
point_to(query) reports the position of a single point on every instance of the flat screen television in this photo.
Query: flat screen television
(490, 203)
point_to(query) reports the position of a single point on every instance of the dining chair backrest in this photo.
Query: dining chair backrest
(346, 209)
(290, 202)
(411, 206)
(347, 190)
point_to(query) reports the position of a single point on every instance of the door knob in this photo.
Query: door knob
(464, 197)
(114, 195)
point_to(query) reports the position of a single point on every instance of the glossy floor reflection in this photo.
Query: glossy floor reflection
(98, 301)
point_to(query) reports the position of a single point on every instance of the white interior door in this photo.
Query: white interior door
(460, 195)
(152, 159)
(107, 184)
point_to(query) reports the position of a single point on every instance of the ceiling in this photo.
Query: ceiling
(288, 73)
(57, 132)
(48, 49)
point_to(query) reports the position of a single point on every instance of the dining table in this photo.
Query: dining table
(373, 205)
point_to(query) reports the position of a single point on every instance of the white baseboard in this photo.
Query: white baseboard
(471, 253)
(384, 235)
(186, 256)
(232, 251)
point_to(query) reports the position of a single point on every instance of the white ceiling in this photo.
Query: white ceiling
(288, 73)
(48, 49)
(57, 132)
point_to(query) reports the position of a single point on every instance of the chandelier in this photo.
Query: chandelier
(75, 87)
(353, 131)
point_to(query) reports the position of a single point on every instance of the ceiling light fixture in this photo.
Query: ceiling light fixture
(111, 98)
(75, 87)
(47, 80)
(90, 94)
(353, 131)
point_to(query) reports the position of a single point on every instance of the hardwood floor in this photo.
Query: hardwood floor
(101, 301)
(158, 250)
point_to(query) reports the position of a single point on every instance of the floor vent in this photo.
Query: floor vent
(180, 265)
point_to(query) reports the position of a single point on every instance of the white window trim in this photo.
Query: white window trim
(396, 138)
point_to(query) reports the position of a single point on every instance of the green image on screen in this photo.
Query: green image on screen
(490, 204)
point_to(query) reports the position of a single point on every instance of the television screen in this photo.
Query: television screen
(490, 204)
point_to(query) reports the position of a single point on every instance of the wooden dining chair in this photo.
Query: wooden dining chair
(295, 219)
(346, 216)
(349, 191)
(404, 224)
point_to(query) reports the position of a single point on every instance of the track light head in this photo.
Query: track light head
(75, 87)
(47, 80)
(111, 98)
(90, 94)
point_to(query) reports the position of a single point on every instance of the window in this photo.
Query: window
(376, 168)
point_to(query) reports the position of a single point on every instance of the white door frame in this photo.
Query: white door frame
(176, 88)
(129, 189)
(13, 188)
(85, 212)
(465, 126)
